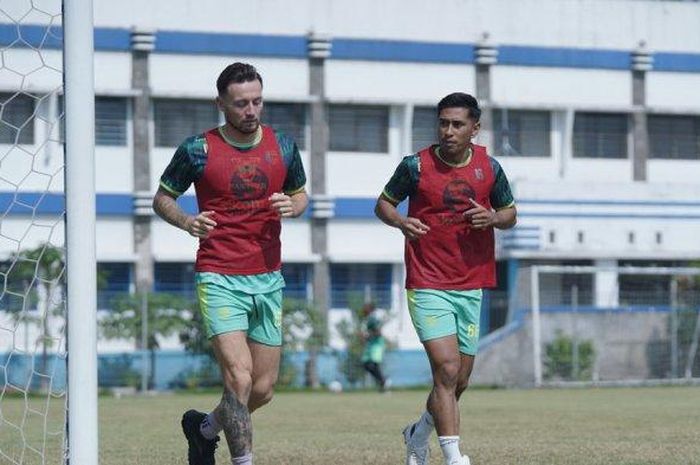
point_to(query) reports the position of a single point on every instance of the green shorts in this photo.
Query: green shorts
(438, 313)
(374, 350)
(225, 310)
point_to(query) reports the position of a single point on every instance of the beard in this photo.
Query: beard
(246, 126)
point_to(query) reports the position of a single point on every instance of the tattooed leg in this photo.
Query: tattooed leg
(235, 418)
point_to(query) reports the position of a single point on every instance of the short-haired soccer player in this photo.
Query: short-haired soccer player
(247, 177)
(457, 196)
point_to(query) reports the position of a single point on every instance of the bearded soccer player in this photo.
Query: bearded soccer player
(457, 196)
(247, 177)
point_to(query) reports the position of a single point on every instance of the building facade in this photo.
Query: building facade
(590, 106)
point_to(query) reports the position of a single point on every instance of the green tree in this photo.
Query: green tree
(167, 314)
(34, 279)
(559, 358)
(304, 329)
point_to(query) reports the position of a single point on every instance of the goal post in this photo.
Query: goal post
(78, 48)
(644, 333)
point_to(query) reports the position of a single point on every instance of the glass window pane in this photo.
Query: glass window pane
(424, 128)
(175, 278)
(110, 121)
(674, 137)
(289, 118)
(175, 120)
(522, 133)
(16, 118)
(600, 135)
(113, 279)
(357, 283)
(358, 128)
(297, 277)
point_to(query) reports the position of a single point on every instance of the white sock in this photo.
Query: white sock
(450, 448)
(244, 460)
(423, 428)
(210, 427)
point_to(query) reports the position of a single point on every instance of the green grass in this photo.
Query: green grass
(525, 427)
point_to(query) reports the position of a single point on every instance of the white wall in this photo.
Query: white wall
(586, 23)
(557, 87)
(283, 78)
(364, 241)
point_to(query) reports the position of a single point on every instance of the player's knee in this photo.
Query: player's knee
(238, 379)
(461, 387)
(447, 374)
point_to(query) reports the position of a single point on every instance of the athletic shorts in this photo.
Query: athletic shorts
(438, 313)
(225, 309)
(373, 350)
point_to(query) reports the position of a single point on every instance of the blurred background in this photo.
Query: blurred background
(591, 107)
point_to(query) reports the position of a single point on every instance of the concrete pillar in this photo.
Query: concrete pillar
(605, 284)
(641, 62)
(142, 44)
(322, 207)
(486, 56)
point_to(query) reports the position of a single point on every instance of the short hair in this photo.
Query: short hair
(236, 73)
(461, 100)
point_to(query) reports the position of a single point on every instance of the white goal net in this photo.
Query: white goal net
(34, 383)
(612, 326)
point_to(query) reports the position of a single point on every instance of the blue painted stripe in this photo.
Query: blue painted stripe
(682, 62)
(641, 216)
(288, 46)
(563, 57)
(231, 44)
(396, 50)
(646, 203)
(36, 203)
(51, 37)
(27, 203)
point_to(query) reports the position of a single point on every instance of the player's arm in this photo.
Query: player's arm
(165, 205)
(185, 168)
(293, 200)
(402, 184)
(504, 214)
(289, 206)
(386, 211)
(483, 218)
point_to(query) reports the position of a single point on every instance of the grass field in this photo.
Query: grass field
(525, 427)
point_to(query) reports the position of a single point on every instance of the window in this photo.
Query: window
(296, 277)
(424, 128)
(674, 137)
(289, 118)
(600, 135)
(645, 289)
(16, 118)
(175, 278)
(521, 133)
(110, 121)
(357, 283)
(113, 279)
(175, 120)
(359, 128)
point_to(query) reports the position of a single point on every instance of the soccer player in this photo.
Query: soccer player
(373, 352)
(457, 195)
(247, 177)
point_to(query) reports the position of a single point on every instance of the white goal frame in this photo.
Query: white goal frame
(537, 270)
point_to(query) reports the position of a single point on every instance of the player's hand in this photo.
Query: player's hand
(480, 217)
(201, 225)
(413, 228)
(282, 204)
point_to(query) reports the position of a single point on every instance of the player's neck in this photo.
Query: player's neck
(457, 158)
(240, 139)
